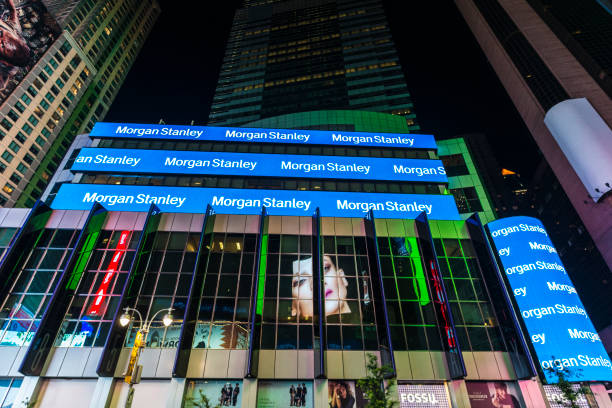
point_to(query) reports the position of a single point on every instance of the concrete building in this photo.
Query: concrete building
(69, 85)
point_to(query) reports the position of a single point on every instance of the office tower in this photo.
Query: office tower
(290, 56)
(548, 55)
(76, 65)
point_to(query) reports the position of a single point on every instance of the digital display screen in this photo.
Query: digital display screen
(245, 201)
(247, 164)
(559, 328)
(255, 135)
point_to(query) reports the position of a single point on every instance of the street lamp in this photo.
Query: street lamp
(140, 342)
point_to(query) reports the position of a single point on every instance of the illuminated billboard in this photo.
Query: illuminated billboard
(559, 328)
(27, 30)
(256, 135)
(245, 201)
(247, 164)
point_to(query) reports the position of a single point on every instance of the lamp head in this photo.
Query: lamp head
(125, 319)
(167, 319)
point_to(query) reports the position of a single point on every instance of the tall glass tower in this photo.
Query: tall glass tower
(288, 56)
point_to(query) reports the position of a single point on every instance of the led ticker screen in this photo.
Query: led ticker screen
(244, 164)
(558, 326)
(245, 201)
(255, 135)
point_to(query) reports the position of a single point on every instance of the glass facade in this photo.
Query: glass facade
(92, 309)
(34, 285)
(284, 58)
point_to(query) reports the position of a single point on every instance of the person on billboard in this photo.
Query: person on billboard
(303, 396)
(341, 396)
(503, 399)
(335, 288)
(292, 396)
(235, 395)
(14, 50)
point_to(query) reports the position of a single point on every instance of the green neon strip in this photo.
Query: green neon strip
(420, 282)
(262, 274)
(79, 268)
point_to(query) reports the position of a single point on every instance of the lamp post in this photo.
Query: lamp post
(132, 374)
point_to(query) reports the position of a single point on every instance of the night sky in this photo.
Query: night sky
(454, 88)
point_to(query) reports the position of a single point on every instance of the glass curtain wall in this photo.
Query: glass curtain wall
(412, 317)
(226, 298)
(166, 284)
(34, 285)
(475, 322)
(89, 316)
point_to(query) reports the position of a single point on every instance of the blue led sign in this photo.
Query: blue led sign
(244, 201)
(558, 326)
(246, 164)
(254, 135)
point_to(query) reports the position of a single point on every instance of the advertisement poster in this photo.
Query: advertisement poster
(423, 395)
(497, 394)
(283, 394)
(345, 394)
(224, 393)
(27, 30)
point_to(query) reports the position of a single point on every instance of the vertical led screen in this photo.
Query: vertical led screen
(558, 326)
(26, 30)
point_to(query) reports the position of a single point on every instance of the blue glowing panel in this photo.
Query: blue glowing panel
(244, 201)
(247, 164)
(558, 326)
(254, 135)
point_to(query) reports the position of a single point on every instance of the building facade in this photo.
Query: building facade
(546, 52)
(68, 84)
(289, 56)
(252, 310)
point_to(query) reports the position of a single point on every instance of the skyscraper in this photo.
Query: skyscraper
(548, 53)
(291, 56)
(80, 53)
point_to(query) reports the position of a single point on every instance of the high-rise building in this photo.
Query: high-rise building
(79, 55)
(291, 56)
(549, 54)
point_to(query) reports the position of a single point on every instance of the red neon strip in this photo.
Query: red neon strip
(94, 309)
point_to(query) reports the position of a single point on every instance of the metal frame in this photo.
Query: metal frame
(455, 363)
(380, 301)
(185, 345)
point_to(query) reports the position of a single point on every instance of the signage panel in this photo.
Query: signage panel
(245, 201)
(423, 395)
(247, 164)
(255, 135)
(558, 326)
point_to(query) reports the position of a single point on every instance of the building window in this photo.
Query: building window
(32, 119)
(8, 188)
(14, 147)
(13, 115)
(15, 178)
(454, 165)
(6, 124)
(7, 156)
(466, 199)
(27, 128)
(26, 99)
